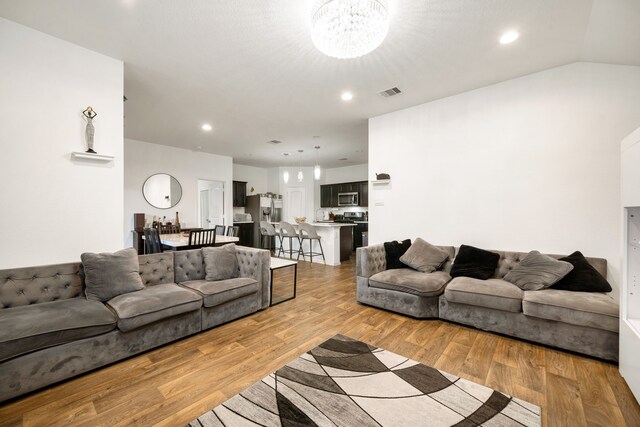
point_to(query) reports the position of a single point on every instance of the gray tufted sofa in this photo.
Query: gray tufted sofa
(50, 332)
(584, 322)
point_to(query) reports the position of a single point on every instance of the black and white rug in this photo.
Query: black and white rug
(344, 382)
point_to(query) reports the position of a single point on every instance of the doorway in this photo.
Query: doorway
(210, 203)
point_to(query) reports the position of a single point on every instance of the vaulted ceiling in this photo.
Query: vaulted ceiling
(249, 68)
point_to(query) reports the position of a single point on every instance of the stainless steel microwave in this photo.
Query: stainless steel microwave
(348, 199)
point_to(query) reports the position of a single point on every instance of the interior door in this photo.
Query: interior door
(211, 203)
(204, 209)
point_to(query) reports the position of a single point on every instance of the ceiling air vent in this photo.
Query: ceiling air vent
(274, 142)
(390, 92)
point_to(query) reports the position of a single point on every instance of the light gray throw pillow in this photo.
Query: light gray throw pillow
(537, 271)
(424, 257)
(108, 275)
(220, 263)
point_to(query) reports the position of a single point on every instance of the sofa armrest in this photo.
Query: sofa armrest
(255, 263)
(370, 260)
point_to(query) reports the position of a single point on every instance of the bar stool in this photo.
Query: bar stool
(267, 230)
(308, 232)
(288, 232)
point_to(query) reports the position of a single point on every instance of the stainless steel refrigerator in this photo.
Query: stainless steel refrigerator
(263, 207)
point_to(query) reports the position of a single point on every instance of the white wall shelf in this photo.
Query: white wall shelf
(100, 158)
(381, 182)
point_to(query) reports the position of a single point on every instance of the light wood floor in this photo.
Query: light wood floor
(176, 383)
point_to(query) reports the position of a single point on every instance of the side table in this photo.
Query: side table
(277, 263)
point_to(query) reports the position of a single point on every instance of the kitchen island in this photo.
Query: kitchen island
(336, 238)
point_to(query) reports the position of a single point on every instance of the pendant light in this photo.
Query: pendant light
(300, 174)
(285, 174)
(317, 172)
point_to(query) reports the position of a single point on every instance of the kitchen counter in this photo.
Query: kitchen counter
(243, 222)
(335, 237)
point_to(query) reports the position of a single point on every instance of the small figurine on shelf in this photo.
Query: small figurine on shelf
(89, 131)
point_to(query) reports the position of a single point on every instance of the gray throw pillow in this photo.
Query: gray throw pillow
(537, 271)
(424, 257)
(220, 263)
(107, 275)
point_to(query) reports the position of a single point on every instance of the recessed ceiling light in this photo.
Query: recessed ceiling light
(346, 96)
(207, 127)
(509, 37)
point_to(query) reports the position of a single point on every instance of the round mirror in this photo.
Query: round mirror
(162, 191)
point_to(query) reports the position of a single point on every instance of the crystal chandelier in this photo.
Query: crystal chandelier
(349, 28)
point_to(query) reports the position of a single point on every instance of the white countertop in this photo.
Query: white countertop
(332, 224)
(243, 222)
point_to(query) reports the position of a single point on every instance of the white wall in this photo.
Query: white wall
(352, 173)
(143, 159)
(255, 178)
(53, 208)
(530, 163)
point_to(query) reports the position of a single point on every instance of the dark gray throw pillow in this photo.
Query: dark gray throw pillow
(537, 271)
(583, 278)
(393, 251)
(475, 263)
(424, 257)
(108, 275)
(220, 263)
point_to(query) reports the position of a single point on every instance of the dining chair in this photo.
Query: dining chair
(201, 238)
(288, 232)
(233, 231)
(152, 244)
(308, 232)
(169, 229)
(220, 230)
(268, 232)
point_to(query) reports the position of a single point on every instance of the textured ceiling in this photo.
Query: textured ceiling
(249, 67)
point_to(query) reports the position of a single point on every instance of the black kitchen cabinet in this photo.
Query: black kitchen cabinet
(245, 234)
(325, 196)
(329, 193)
(239, 194)
(363, 200)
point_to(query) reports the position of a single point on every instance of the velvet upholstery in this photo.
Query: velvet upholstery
(591, 309)
(491, 293)
(231, 310)
(44, 367)
(140, 308)
(111, 274)
(496, 305)
(156, 269)
(411, 281)
(582, 339)
(583, 278)
(537, 271)
(221, 291)
(393, 251)
(34, 285)
(220, 263)
(424, 257)
(475, 263)
(28, 328)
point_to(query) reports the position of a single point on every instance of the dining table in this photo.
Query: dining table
(180, 241)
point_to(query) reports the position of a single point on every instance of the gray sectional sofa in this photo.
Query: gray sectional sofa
(584, 322)
(50, 332)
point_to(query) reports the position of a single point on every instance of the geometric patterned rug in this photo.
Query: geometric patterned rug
(344, 382)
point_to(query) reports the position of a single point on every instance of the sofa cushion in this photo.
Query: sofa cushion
(492, 293)
(221, 291)
(594, 310)
(220, 263)
(424, 257)
(140, 308)
(111, 274)
(583, 278)
(537, 271)
(393, 251)
(474, 262)
(411, 281)
(32, 327)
